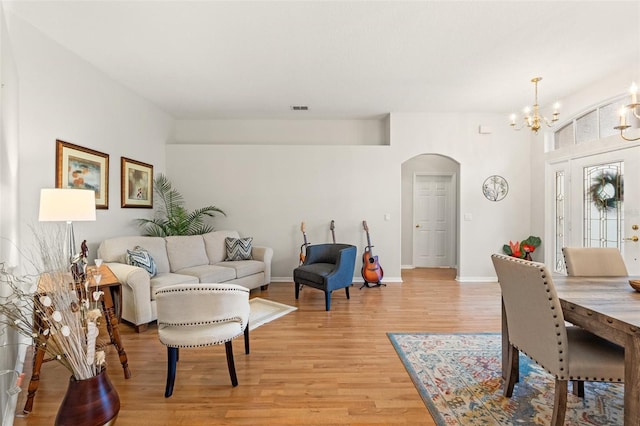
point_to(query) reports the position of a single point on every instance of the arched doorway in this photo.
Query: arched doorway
(430, 203)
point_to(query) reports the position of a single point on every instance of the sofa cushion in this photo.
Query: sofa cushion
(185, 251)
(141, 258)
(215, 246)
(238, 248)
(115, 250)
(244, 268)
(210, 273)
(163, 280)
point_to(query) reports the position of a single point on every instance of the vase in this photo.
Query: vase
(89, 402)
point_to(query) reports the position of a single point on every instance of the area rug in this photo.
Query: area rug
(264, 311)
(459, 379)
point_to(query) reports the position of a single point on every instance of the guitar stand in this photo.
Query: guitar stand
(367, 284)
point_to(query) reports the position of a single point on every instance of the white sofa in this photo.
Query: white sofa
(179, 260)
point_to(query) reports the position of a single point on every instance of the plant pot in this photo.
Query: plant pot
(89, 402)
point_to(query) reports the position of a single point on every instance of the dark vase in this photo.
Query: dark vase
(527, 256)
(89, 402)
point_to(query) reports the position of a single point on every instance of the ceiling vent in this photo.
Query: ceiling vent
(299, 108)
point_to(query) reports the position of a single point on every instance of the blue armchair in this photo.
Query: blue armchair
(326, 267)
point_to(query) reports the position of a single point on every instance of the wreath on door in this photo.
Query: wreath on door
(607, 190)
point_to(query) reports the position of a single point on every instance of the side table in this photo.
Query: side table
(111, 302)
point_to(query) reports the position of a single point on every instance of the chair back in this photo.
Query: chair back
(594, 261)
(326, 253)
(534, 315)
(202, 304)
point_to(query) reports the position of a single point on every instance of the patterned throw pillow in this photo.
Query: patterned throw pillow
(238, 248)
(140, 257)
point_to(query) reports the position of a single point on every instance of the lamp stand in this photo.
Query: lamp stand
(70, 243)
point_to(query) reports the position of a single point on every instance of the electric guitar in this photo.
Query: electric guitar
(371, 270)
(304, 245)
(332, 227)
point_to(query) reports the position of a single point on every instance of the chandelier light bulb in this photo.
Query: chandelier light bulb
(634, 92)
(623, 116)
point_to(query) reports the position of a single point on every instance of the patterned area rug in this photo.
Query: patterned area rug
(264, 311)
(458, 378)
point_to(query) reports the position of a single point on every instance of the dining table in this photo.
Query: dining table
(610, 308)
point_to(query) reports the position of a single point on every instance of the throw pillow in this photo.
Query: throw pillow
(140, 257)
(238, 248)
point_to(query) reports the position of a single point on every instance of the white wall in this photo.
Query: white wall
(284, 132)
(8, 211)
(64, 97)
(267, 190)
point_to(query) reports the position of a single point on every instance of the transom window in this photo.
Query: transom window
(592, 125)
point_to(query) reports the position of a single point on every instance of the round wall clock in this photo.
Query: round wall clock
(495, 188)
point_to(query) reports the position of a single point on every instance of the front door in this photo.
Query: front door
(434, 220)
(605, 203)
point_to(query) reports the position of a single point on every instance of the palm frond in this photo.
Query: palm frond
(171, 217)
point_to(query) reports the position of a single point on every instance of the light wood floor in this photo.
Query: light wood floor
(310, 367)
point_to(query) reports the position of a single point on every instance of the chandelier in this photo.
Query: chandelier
(533, 119)
(634, 107)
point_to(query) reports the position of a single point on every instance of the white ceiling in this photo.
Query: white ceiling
(344, 59)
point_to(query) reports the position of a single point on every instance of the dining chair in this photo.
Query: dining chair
(536, 327)
(196, 315)
(594, 262)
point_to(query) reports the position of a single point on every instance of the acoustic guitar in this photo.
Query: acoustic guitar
(304, 245)
(332, 227)
(371, 270)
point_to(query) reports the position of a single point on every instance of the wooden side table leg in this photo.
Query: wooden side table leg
(38, 359)
(114, 332)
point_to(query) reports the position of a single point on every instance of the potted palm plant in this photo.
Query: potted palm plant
(171, 217)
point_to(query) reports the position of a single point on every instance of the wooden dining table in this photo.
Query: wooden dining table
(610, 308)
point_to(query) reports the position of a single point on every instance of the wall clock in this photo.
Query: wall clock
(495, 188)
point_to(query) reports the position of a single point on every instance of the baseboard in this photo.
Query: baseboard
(407, 267)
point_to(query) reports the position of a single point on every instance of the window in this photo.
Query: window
(595, 124)
(558, 260)
(603, 205)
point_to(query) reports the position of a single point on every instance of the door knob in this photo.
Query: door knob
(633, 238)
(417, 226)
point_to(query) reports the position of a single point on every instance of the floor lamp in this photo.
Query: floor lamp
(67, 205)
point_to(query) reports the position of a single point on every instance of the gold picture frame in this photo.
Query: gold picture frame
(83, 168)
(136, 180)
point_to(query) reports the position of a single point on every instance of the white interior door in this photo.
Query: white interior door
(582, 219)
(434, 220)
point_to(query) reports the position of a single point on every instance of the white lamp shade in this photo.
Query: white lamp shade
(67, 205)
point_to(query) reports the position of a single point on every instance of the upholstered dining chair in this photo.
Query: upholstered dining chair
(536, 327)
(326, 267)
(195, 315)
(594, 261)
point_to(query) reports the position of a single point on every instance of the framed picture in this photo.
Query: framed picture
(137, 183)
(83, 168)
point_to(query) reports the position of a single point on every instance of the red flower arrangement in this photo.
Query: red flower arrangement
(522, 249)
